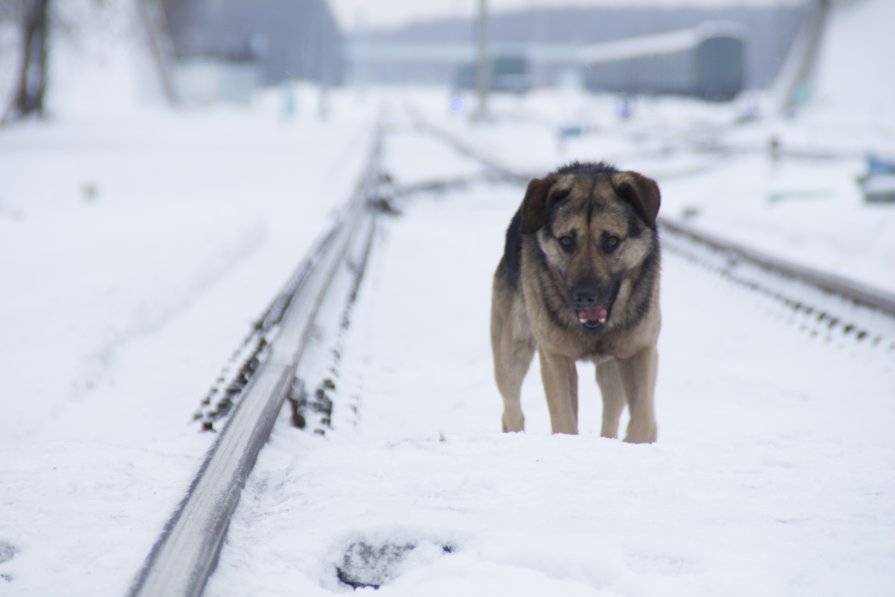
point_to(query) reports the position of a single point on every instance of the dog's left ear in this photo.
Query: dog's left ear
(641, 192)
(534, 206)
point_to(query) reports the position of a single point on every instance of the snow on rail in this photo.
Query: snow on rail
(862, 294)
(828, 305)
(187, 550)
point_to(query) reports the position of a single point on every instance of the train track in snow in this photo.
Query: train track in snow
(250, 393)
(265, 371)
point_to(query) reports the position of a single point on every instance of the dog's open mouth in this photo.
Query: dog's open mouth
(593, 319)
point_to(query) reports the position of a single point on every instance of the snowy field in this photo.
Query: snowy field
(137, 259)
(140, 244)
(139, 247)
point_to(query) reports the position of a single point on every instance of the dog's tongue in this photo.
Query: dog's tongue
(598, 314)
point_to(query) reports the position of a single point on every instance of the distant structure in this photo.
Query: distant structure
(707, 61)
(510, 74)
(224, 48)
(550, 41)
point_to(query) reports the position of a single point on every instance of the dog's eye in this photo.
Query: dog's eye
(611, 243)
(567, 243)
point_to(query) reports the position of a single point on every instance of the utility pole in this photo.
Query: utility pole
(483, 70)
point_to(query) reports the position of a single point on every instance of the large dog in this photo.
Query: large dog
(579, 280)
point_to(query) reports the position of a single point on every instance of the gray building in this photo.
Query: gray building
(279, 40)
(551, 39)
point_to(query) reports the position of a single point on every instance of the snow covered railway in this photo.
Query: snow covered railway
(251, 391)
(403, 483)
(412, 488)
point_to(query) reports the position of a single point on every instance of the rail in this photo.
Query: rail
(852, 290)
(186, 552)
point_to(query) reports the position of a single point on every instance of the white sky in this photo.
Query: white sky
(372, 14)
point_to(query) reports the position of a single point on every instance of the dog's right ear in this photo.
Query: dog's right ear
(640, 192)
(534, 206)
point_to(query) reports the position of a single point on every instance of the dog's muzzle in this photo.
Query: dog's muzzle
(590, 313)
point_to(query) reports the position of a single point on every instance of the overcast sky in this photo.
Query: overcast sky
(371, 14)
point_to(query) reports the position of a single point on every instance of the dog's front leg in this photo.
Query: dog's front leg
(638, 375)
(612, 391)
(561, 386)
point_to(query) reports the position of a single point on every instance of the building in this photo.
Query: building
(240, 43)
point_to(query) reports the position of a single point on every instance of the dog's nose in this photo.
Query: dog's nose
(584, 298)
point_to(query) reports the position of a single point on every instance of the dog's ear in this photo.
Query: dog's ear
(641, 192)
(534, 206)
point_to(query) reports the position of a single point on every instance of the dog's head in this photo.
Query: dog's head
(594, 225)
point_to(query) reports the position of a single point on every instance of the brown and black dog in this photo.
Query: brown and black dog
(579, 280)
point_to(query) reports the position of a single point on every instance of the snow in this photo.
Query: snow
(140, 244)
(851, 66)
(122, 304)
(760, 484)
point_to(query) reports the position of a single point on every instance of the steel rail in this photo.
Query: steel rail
(852, 290)
(187, 550)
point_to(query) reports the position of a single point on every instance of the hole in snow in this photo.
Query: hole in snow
(372, 565)
(7, 552)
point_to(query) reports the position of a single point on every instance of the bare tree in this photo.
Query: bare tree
(32, 76)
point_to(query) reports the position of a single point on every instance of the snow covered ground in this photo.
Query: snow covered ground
(140, 245)
(769, 477)
(137, 259)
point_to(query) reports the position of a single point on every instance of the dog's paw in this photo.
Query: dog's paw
(513, 423)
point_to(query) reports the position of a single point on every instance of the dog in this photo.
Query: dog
(579, 280)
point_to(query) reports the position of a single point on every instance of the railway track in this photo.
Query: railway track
(274, 363)
(249, 399)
